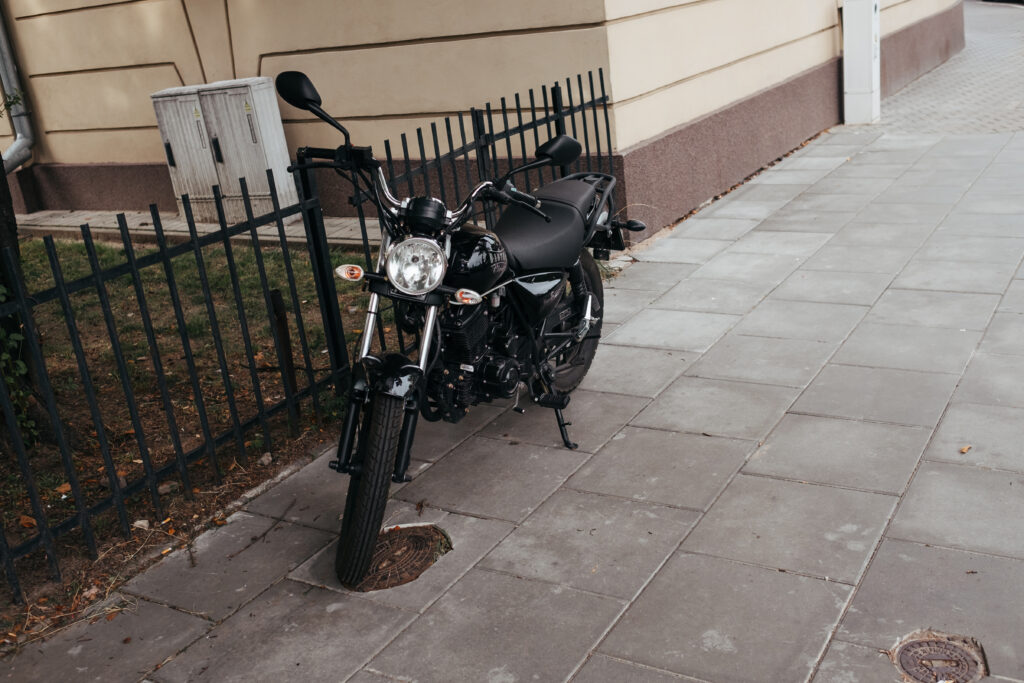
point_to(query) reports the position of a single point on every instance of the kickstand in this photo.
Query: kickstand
(562, 424)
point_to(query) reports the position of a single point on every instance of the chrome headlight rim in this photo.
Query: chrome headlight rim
(393, 260)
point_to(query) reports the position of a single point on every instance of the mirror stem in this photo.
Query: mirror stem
(327, 118)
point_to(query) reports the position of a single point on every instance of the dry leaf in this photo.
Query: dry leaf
(64, 488)
(965, 449)
(27, 522)
(110, 617)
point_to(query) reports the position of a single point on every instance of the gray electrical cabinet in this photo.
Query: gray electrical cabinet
(215, 134)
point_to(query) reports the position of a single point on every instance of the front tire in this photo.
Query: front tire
(368, 489)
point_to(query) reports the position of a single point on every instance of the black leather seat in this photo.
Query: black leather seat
(534, 244)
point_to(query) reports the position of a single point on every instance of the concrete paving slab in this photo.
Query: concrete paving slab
(712, 296)
(994, 380)
(739, 208)
(794, 220)
(883, 395)
(955, 276)
(801, 320)
(755, 193)
(758, 269)
(655, 277)
(871, 171)
(940, 162)
(713, 228)
(595, 417)
(849, 663)
(680, 250)
(684, 470)
(852, 135)
(592, 542)
(787, 243)
(472, 538)
(494, 478)
(314, 496)
(837, 184)
(830, 203)
(650, 370)
(958, 506)
(622, 304)
(491, 626)
(883, 234)
(877, 154)
(784, 177)
(945, 196)
(808, 162)
(959, 311)
(807, 528)
(787, 362)
(911, 586)
(945, 247)
(856, 258)
(862, 455)
(134, 642)
(228, 565)
(677, 330)
(936, 178)
(833, 287)
(294, 625)
(993, 433)
(909, 347)
(435, 439)
(994, 225)
(831, 150)
(602, 669)
(977, 203)
(1005, 335)
(903, 213)
(719, 621)
(717, 408)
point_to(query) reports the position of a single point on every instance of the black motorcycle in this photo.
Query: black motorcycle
(496, 312)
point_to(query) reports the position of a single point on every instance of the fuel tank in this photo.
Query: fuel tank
(478, 259)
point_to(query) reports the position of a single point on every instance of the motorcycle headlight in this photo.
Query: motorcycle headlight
(416, 265)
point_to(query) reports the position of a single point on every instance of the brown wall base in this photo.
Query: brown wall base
(95, 187)
(921, 47)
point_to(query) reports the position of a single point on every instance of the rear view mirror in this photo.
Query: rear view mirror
(561, 150)
(296, 89)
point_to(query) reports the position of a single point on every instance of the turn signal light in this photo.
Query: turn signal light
(467, 297)
(349, 272)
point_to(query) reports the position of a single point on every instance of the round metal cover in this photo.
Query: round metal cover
(402, 554)
(933, 657)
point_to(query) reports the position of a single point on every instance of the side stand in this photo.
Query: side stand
(562, 424)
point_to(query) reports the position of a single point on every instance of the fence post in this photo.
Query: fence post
(559, 108)
(483, 146)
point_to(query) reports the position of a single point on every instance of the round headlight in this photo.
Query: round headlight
(416, 265)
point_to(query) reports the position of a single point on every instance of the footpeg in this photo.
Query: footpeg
(556, 401)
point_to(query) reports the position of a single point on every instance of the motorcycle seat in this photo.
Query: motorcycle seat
(532, 243)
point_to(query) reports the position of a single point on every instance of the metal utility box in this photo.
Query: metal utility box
(215, 134)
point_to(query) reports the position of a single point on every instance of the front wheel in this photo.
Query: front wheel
(368, 488)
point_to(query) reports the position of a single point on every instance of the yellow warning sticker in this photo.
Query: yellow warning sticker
(248, 109)
(195, 112)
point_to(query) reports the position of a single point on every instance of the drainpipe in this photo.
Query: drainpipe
(19, 152)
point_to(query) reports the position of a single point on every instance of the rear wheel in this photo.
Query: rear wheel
(368, 489)
(571, 365)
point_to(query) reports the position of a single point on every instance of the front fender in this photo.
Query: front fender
(394, 375)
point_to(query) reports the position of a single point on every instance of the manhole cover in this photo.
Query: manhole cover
(933, 657)
(402, 554)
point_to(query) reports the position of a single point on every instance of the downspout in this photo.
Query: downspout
(21, 149)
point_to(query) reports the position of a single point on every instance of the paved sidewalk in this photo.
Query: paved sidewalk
(801, 439)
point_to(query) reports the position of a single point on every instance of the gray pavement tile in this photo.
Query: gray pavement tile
(995, 225)
(935, 309)
(712, 296)
(996, 184)
(829, 202)
(685, 470)
(1013, 299)
(760, 269)
(472, 538)
(496, 627)
(679, 250)
(788, 362)
(650, 370)
(739, 208)
(833, 287)
(982, 144)
(860, 259)
(807, 162)
(622, 304)
(592, 542)
(713, 228)
(228, 566)
(720, 621)
(847, 185)
(678, 330)
(849, 663)
(942, 162)
(284, 634)
(992, 434)
(977, 203)
(923, 194)
(863, 455)
(862, 170)
(910, 586)
(717, 408)
(595, 416)
(850, 135)
(784, 177)
(959, 506)
(955, 276)
(365, 676)
(818, 530)
(1005, 335)
(903, 213)
(994, 380)
(602, 669)
(493, 478)
(972, 248)
(792, 220)
(832, 150)
(902, 156)
(883, 234)
(787, 243)
(936, 178)
(136, 641)
(807, 320)
(883, 395)
(434, 439)
(909, 347)
(313, 496)
(755, 193)
(655, 277)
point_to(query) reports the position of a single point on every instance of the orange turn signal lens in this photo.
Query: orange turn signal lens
(467, 297)
(349, 272)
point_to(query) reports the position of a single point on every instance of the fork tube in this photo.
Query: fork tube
(371, 321)
(428, 336)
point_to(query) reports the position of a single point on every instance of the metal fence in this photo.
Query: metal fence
(147, 364)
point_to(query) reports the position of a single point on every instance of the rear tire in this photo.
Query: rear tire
(573, 365)
(368, 490)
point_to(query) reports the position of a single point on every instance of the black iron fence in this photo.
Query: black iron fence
(135, 370)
